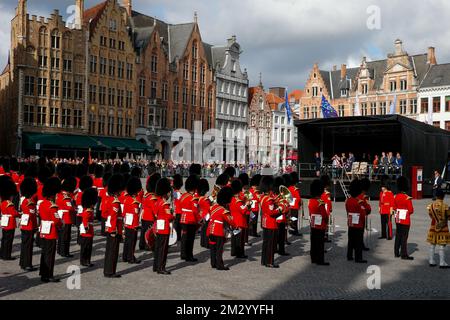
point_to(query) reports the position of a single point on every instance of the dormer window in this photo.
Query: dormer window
(364, 88)
(315, 91)
(393, 85)
(403, 85)
(344, 92)
(113, 25)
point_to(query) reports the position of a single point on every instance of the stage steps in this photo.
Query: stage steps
(345, 186)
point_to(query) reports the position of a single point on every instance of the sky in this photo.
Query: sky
(282, 39)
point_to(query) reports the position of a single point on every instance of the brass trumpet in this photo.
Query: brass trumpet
(286, 194)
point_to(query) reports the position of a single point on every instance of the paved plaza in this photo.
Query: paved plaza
(296, 278)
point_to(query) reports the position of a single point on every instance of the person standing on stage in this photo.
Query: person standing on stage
(439, 234)
(356, 218)
(66, 210)
(190, 218)
(28, 223)
(162, 227)
(131, 214)
(204, 205)
(387, 202)
(364, 198)
(50, 223)
(8, 191)
(326, 198)
(177, 184)
(296, 204)
(319, 223)
(148, 209)
(403, 211)
(270, 212)
(89, 201)
(255, 205)
(114, 227)
(238, 211)
(220, 217)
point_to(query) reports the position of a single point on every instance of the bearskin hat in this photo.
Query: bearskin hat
(244, 179)
(255, 180)
(99, 170)
(287, 180)
(44, 174)
(355, 188)
(89, 198)
(230, 171)
(316, 189)
(294, 178)
(69, 184)
(152, 181)
(28, 187)
(236, 186)
(222, 180)
(136, 172)
(365, 184)
(51, 187)
(134, 186)
(195, 168)
(224, 196)
(106, 178)
(203, 187)
(177, 182)
(8, 189)
(86, 182)
(192, 183)
(402, 184)
(266, 184)
(115, 184)
(326, 181)
(163, 187)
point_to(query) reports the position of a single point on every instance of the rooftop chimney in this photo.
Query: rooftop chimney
(79, 13)
(343, 71)
(432, 56)
(398, 47)
(128, 6)
(335, 68)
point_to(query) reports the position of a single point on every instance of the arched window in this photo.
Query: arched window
(43, 34)
(195, 49)
(56, 38)
(67, 41)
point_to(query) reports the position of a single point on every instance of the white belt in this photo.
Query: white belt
(187, 210)
(217, 221)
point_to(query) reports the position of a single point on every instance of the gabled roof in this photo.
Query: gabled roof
(208, 52)
(179, 38)
(93, 15)
(438, 76)
(296, 94)
(273, 100)
(218, 56)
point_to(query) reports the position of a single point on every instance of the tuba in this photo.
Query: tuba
(286, 194)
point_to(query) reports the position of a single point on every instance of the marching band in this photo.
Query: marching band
(47, 206)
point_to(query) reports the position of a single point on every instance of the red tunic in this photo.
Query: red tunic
(65, 206)
(365, 203)
(269, 212)
(219, 216)
(297, 198)
(148, 207)
(403, 209)
(163, 217)
(28, 207)
(387, 202)
(87, 218)
(8, 210)
(255, 200)
(238, 211)
(48, 212)
(131, 212)
(98, 183)
(189, 209)
(318, 214)
(176, 201)
(204, 205)
(114, 217)
(326, 198)
(356, 213)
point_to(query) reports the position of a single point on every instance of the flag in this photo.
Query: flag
(89, 157)
(357, 111)
(288, 108)
(327, 110)
(393, 109)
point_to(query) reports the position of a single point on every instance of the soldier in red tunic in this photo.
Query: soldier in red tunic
(283, 204)
(114, 227)
(356, 220)
(8, 192)
(131, 215)
(177, 184)
(403, 211)
(365, 187)
(204, 205)
(386, 207)
(148, 210)
(28, 223)
(103, 198)
(296, 205)
(190, 218)
(89, 201)
(86, 182)
(255, 205)
(50, 223)
(238, 209)
(66, 211)
(220, 218)
(319, 223)
(326, 198)
(162, 227)
(98, 183)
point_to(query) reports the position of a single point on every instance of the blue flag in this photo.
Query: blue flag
(288, 108)
(327, 110)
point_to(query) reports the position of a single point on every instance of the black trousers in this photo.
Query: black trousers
(187, 241)
(26, 249)
(253, 226)
(245, 230)
(317, 246)
(7, 243)
(161, 251)
(355, 243)
(281, 238)
(47, 258)
(216, 249)
(78, 221)
(204, 241)
(86, 250)
(268, 246)
(294, 224)
(64, 238)
(238, 244)
(177, 226)
(111, 255)
(384, 225)
(401, 241)
(103, 227)
(129, 245)
(145, 226)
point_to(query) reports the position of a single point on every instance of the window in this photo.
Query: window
(164, 118)
(176, 93)
(91, 123)
(42, 87)
(437, 104)
(28, 115)
(154, 64)
(403, 85)
(437, 124)
(101, 124)
(447, 125)
(186, 71)
(210, 99)
(202, 98)
(233, 65)
(193, 97)
(192, 120)
(129, 71)
(315, 91)
(102, 65)
(56, 39)
(393, 85)
(67, 90)
(55, 63)
(151, 117)
(282, 136)
(128, 126)
(185, 95)
(424, 105)
(344, 92)
(122, 45)
(67, 65)
(203, 74)
(120, 69)
(306, 113)
(154, 89)
(364, 88)
(42, 59)
(373, 108)
(382, 108)
(93, 64)
(65, 118)
(341, 111)
(142, 87)
(103, 41)
(364, 110)
(194, 72)
(129, 103)
(165, 92)
(111, 125)
(112, 25)
(43, 37)
(102, 96)
(314, 113)
(111, 96)
(41, 115)
(77, 118)
(175, 120)
(112, 68)
(184, 122)
(413, 106)
(54, 114)
(141, 116)
(195, 50)
(54, 88)
(403, 107)
(112, 43)
(78, 91)
(29, 86)
(92, 93)
(119, 131)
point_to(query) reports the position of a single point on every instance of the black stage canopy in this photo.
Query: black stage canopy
(419, 144)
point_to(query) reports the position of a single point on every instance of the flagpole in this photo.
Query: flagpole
(285, 132)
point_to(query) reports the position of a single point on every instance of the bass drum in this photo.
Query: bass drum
(173, 238)
(150, 239)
